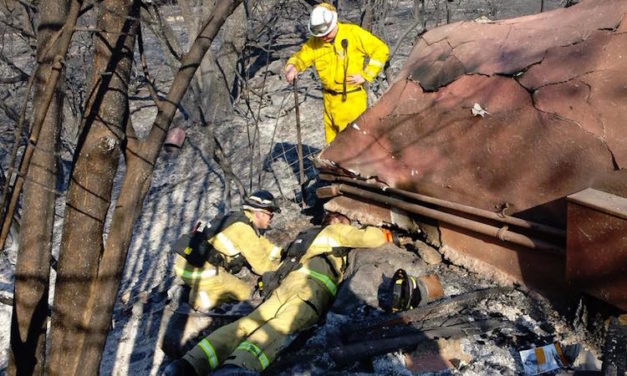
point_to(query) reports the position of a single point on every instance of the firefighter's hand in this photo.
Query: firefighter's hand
(355, 79)
(290, 73)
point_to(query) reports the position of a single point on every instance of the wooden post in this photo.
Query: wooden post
(299, 147)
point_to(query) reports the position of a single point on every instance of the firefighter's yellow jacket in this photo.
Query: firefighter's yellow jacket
(302, 297)
(333, 63)
(211, 284)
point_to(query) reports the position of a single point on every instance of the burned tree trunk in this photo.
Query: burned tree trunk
(140, 160)
(373, 16)
(30, 308)
(221, 87)
(89, 193)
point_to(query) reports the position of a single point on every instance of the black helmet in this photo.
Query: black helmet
(261, 200)
(409, 292)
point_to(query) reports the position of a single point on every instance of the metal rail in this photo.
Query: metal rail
(534, 226)
(501, 233)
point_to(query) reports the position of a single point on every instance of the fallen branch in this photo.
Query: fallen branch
(350, 353)
(440, 308)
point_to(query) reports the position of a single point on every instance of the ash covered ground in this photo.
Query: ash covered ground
(189, 185)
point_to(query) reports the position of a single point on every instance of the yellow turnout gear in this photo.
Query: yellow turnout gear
(212, 285)
(333, 63)
(305, 294)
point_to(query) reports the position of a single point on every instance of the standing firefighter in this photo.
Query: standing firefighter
(338, 51)
(207, 260)
(251, 343)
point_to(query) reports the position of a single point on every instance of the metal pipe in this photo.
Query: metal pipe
(500, 233)
(548, 230)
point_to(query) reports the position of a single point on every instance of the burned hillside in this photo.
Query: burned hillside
(231, 130)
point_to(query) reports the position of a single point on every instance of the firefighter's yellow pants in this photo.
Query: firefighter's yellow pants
(210, 285)
(254, 341)
(338, 114)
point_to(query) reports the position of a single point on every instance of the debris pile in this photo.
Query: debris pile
(477, 327)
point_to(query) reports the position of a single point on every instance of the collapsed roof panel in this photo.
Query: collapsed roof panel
(507, 114)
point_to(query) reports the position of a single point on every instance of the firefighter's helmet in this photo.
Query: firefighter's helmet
(261, 200)
(323, 20)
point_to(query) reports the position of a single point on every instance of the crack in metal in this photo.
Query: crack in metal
(602, 140)
(576, 77)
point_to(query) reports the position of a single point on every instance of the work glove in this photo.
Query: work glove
(392, 236)
(396, 239)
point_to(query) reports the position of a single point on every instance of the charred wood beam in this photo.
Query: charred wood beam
(347, 354)
(440, 308)
(390, 333)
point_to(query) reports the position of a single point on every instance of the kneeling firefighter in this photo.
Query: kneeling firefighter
(207, 258)
(303, 295)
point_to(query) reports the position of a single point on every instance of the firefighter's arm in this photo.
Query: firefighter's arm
(377, 52)
(259, 252)
(302, 59)
(368, 237)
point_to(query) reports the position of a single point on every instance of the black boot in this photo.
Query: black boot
(233, 370)
(179, 367)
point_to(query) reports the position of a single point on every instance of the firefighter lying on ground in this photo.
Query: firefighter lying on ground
(337, 51)
(306, 292)
(207, 260)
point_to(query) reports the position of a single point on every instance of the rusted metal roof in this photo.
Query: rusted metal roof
(508, 116)
(553, 86)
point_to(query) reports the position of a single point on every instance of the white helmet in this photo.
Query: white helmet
(323, 20)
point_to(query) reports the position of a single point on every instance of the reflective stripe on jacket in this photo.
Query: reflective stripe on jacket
(342, 235)
(241, 238)
(329, 58)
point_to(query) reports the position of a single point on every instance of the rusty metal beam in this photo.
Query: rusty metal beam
(501, 233)
(534, 226)
(596, 245)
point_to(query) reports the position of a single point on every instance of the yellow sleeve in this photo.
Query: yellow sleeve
(368, 237)
(353, 237)
(376, 50)
(259, 252)
(304, 57)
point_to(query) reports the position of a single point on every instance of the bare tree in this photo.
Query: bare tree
(89, 194)
(101, 275)
(30, 308)
(373, 16)
(89, 269)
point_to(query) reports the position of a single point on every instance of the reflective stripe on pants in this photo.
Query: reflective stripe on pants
(256, 352)
(326, 281)
(212, 358)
